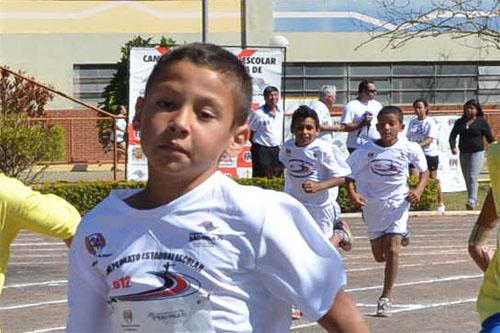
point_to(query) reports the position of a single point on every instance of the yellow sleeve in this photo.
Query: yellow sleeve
(46, 214)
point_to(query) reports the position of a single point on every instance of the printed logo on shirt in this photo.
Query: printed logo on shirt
(299, 168)
(95, 244)
(200, 239)
(174, 285)
(128, 317)
(208, 225)
(386, 167)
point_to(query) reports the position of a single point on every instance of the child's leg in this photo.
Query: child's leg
(378, 249)
(392, 247)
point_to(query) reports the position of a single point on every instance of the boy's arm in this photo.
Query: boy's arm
(415, 194)
(343, 316)
(356, 198)
(310, 186)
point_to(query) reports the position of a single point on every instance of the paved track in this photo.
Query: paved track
(435, 292)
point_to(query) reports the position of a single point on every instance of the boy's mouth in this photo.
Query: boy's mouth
(173, 147)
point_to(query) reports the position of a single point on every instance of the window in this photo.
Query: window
(399, 83)
(89, 81)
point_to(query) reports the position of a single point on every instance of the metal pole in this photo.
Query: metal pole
(243, 23)
(204, 12)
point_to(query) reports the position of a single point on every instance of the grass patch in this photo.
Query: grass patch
(457, 200)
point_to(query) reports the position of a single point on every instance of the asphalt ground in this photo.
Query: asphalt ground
(435, 291)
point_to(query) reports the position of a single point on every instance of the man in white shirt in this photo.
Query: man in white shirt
(360, 116)
(322, 107)
(266, 124)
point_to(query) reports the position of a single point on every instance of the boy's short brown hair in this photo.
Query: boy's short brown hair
(219, 60)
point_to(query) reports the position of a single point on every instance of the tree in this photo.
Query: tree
(116, 93)
(404, 20)
(25, 138)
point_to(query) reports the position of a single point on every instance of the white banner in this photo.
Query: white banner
(264, 66)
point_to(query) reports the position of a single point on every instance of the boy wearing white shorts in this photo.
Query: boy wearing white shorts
(314, 170)
(380, 170)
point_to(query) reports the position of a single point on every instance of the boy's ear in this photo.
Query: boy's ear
(402, 127)
(136, 122)
(241, 135)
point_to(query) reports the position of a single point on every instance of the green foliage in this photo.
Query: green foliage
(24, 143)
(85, 195)
(116, 93)
(25, 139)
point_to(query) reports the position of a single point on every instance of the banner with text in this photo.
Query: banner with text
(264, 66)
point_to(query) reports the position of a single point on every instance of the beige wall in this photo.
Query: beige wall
(46, 38)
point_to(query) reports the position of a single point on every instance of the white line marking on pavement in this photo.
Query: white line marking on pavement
(381, 267)
(63, 254)
(405, 284)
(34, 263)
(52, 329)
(39, 244)
(32, 305)
(37, 284)
(402, 308)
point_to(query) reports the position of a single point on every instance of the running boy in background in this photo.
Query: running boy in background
(380, 170)
(22, 208)
(423, 130)
(194, 251)
(314, 170)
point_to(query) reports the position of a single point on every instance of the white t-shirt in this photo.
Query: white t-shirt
(354, 112)
(381, 172)
(317, 162)
(418, 130)
(268, 128)
(324, 119)
(221, 258)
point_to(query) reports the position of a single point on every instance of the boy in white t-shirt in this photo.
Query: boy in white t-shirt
(314, 170)
(194, 251)
(380, 170)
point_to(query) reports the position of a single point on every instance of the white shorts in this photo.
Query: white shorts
(386, 217)
(325, 217)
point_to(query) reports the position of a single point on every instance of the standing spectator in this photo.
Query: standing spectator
(322, 107)
(21, 208)
(359, 117)
(472, 128)
(380, 170)
(423, 131)
(266, 124)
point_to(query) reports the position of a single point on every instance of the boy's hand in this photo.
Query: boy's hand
(357, 199)
(311, 187)
(414, 196)
(454, 151)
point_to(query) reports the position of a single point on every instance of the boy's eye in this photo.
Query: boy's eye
(165, 104)
(206, 115)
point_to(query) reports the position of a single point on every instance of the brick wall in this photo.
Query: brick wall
(82, 144)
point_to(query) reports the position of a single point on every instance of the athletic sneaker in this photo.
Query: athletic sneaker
(383, 304)
(342, 227)
(296, 313)
(441, 208)
(469, 206)
(405, 241)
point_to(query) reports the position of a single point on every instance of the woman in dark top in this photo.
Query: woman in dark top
(472, 128)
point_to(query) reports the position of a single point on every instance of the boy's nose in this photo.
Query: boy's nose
(181, 120)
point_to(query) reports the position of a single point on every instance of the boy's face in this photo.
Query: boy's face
(389, 126)
(305, 131)
(186, 122)
(420, 110)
